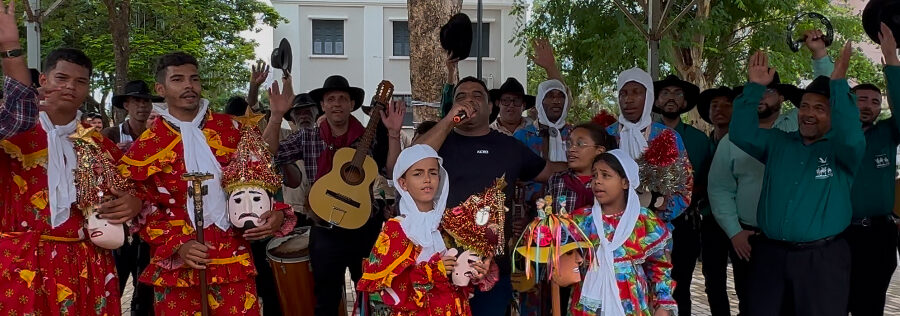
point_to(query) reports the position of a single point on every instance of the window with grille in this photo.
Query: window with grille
(401, 38)
(328, 37)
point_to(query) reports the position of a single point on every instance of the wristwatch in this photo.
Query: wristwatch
(12, 53)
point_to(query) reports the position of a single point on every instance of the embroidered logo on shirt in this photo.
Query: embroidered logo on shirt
(483, 152)
(882, 161)
(824, 170)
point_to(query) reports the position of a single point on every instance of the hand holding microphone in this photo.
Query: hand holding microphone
(462, 111)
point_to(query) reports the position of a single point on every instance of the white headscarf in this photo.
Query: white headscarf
(631, 138)
(600, 289)
(557, 149)
(422, 227)
(61, 163)
(198, 157)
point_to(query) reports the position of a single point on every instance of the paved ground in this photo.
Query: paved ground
(700, 307)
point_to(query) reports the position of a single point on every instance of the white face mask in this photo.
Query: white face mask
(103, 233)
(246, 205)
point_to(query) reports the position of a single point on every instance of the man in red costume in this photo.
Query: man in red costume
(189, 137)
(48, 266)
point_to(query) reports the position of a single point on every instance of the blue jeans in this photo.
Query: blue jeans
(494, 302)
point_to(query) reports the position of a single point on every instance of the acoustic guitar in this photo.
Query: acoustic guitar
(343, 196)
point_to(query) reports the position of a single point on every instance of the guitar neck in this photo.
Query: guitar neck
(362, 149)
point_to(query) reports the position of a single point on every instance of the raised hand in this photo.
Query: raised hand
(9, 30)
(888, 46)
(280, 100)
(815, 42)
(543, 54)
(843, 62)
(452, 67)
(258, 74)
(392, 117)
(758, 69)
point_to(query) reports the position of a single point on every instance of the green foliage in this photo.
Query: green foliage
(207, 29)
(594, 42)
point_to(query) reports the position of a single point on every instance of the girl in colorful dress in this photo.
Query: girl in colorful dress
(631, 274)
(408, 268)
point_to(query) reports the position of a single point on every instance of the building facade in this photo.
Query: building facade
(367, 41)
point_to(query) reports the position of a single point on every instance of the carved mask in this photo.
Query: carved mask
(246, 205)
(103, 233)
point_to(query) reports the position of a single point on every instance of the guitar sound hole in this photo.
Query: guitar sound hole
(352, 175)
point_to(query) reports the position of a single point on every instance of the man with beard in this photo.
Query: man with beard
(133, 257)
(512, 101)
(738, 180)
(673, 98)
(188, 137)
(872, 231)
(801, 260)
(634, 129)
(334, 250)
(474, 156)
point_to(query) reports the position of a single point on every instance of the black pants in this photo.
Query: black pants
(332, 252)
(814, 278)
(740, 270)
(685, 251)
(131, 260)
(716, 248)
(873, 263)
(266, 288)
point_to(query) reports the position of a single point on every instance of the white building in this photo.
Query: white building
(367, 41)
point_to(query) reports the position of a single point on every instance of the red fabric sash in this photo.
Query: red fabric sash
(584, 195)
(332, 143)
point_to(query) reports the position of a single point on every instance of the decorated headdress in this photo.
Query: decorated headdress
(95, 173)
(477, 223)
(549, 236)
(661, 170)
(252, 163)
(604, 118)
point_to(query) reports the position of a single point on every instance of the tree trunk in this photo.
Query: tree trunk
(427, 70)
(119, 13)
(688, 62)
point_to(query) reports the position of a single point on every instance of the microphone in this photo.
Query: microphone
(459, 117)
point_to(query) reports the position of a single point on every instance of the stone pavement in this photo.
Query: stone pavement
(700, 306)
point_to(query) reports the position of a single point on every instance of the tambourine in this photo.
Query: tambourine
(795, 44)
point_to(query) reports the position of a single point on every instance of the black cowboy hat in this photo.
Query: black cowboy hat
(820, 85)
(512, 86)
(788, 91)
(691, 91)
(878, 11)
(706, 97)
(282, 57)
(456, 36)
(134, 89)
(301, 101)
(236, 106)
(338, 83)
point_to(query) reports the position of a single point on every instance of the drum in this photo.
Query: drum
(289, 258)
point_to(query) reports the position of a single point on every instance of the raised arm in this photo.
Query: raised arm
(280, 103)
(815, 42)
(392, 118)
(744, 129)
(258, 75)
(19, 110)
(438, 134)
(891, 74)
(846, 129)
(546, 58)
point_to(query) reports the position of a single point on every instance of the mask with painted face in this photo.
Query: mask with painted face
(105, 234)
(247, 204)
(463, 271)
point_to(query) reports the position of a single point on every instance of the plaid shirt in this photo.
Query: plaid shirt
(557, 187)
(306, 144)
(19, 110)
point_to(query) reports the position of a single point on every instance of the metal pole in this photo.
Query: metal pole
(33, 36)
(478, 44)
(653, 19)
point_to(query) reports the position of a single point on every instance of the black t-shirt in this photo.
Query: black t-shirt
(473, 163)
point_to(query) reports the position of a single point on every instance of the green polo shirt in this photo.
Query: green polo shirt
(700, 154)
(806, 187)
(873, 192)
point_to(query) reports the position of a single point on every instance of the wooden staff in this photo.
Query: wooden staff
(197, 191)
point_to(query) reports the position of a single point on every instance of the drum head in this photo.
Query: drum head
(291, 248)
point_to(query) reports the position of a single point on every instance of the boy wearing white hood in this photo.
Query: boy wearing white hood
(409, 264)
(635, 130)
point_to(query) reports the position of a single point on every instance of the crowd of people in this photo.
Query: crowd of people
(799, 201)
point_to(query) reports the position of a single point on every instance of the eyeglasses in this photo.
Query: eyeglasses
(510, 102)
(579, 145)
(667, 94)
